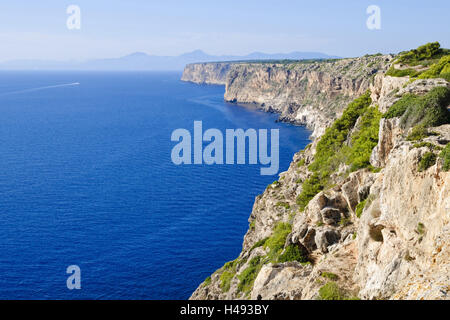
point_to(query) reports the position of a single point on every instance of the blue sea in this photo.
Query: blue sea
(86, 179)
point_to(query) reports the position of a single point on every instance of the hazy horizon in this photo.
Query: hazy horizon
(112, 29)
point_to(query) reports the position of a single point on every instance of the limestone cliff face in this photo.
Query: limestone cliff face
(206, 73)
(308, 93)
(395, 246)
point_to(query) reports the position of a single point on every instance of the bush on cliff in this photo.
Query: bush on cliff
(292, 253)
(423, 53)
(428, 110)
(445, 155)
(364, 140)
(331, 291)
(248, 276)
(430, 54)
(275, 243)
(427, 160)
(332, 151)
(438, 70)
(229, 270)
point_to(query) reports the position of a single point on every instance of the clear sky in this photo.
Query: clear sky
(112, 28)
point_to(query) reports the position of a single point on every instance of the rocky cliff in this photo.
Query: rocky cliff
(364, 211)
(206, 73)
(311, 93)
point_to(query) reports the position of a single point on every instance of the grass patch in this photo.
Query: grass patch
(258, 244)
(360, 207)
(275, 243)
(248, 276)
(329, 275)
(331, 291)
(227, 275)
(427, 160)
(207, 281)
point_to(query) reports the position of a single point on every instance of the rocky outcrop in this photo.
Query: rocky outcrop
(305, 93)
(381, 232)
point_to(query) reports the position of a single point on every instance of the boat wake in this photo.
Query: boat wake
(41, 88)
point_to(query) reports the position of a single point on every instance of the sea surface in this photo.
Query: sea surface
(86, 179)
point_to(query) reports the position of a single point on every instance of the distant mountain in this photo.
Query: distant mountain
(142, 61)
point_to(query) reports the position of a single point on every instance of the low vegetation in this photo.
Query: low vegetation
(445, 155)
(427, 160)
(332, 149)
(292, 253)
(422, 112)
(360, 207)
(275, 243)
(430, 55)
(227, 275)
(329, 275)
(248, 276)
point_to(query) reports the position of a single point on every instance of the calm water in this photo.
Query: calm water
(86, 178)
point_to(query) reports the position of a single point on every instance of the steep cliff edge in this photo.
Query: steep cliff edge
(311, 93)
(362, 213)
(206, 73)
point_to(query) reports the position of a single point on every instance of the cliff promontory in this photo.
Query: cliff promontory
(363, 212)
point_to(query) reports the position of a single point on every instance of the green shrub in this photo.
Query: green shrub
(445, 154)
(428, 145)
(431, 55)
(292, 253)
(427, 160)
(225, 280)
(331, 291)
(248, 276)
(258, 244)
(438, 70)
(229, 270)
(419, 132)
(275, 243)
(283, 204)
(402, 72)
(207, 281)
(428, 51)
(420, 228)
(330, 150)
(301, 163)
(364, 140)
(310, 188)
(329, 275)
(428, 110)
(399, 107)
(360, 207)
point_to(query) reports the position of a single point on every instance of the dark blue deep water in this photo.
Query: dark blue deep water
(86, 178)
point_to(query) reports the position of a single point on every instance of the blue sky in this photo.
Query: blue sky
(112, 28)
